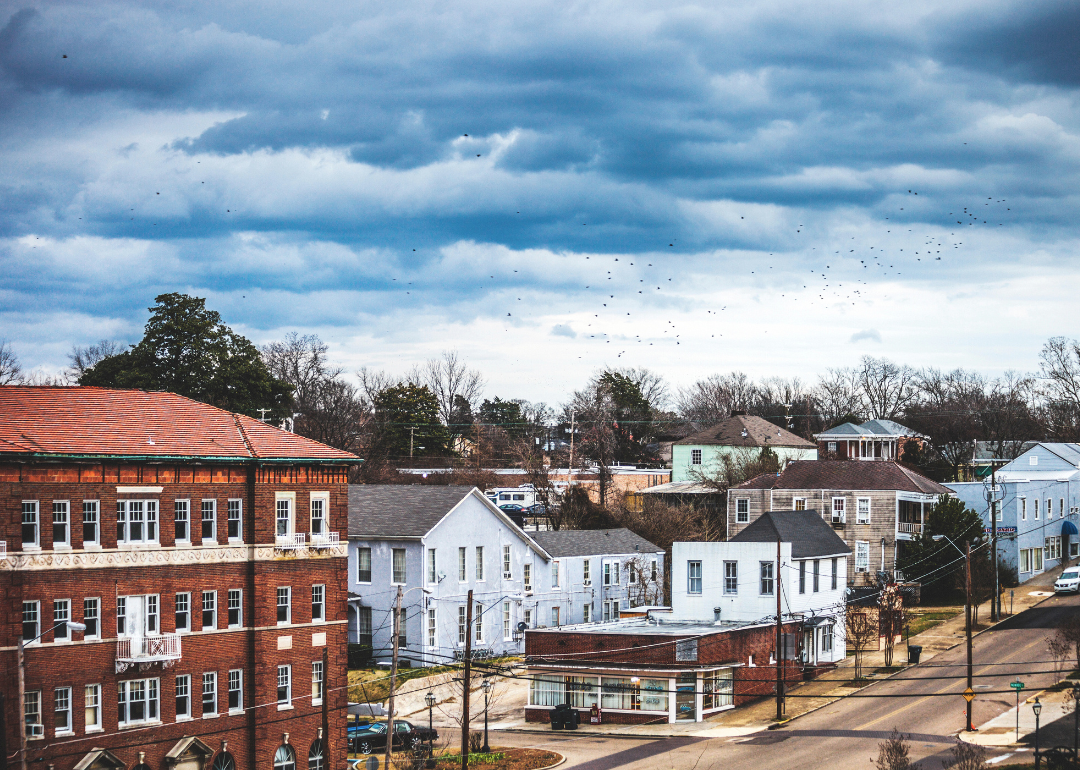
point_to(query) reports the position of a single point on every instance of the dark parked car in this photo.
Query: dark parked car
(366, 738)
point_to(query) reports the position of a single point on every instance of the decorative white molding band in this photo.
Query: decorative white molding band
(149, 557)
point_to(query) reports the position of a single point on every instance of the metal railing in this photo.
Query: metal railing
(294, 542)
(325, 540)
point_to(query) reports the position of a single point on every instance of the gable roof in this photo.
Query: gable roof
(110, 422)
(807, 532)
(847, 474)
(593, 542)
(868, 428)
(759, 432)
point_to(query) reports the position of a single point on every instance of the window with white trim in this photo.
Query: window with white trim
(61, 615)
(731, 578)
(462, 625)
(555, 617)
(235, 519)
(398, 566)
(30, 531)
(835, 570)
(1049, 509)
(862, 555)
(236, 607)
(431, 627)
(182, 520)
(478, 623)
(92, 707)
(862, 510)
(61, 510)
(554, 573)
(318, 603)
(183, 612)
(508, 629)
(839, 510)
(1035, 508)
(586, 612)
(32, 711)
(209, 694)
(91, 531)
(363, 565)
(319, 504)
(586, 572)
(31, 620)
(209, 610)
(479, 563)
(742, 510)
(62, 711)
(284, 605)
(137, 701)
(432, 573)
(507, 574)
(236, 690)
(798, 504)
(183, 696)
(316, 682)
(461, 552)
(209, 521)
(766, 578)
(1023, 509)
(827, 638)
(136, 521)
(693, 577)
(283, 517)
(284, 685)
(92, 617)
(526, 576)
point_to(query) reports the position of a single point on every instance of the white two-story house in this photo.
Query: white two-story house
(738, 580)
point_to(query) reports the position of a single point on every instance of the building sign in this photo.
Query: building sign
(1002, 530)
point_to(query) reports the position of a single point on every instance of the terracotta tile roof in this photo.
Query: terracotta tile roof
(847, 474)
(108, 422)
(759, 432)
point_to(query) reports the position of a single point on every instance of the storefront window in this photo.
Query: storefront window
(583, 691)
(654, 695)
(719, 689)
(547, 690)
(619, 693)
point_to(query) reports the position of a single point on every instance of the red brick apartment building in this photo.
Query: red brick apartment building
(201, 549)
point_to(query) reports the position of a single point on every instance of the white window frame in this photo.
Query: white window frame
(508, 625)
(731, 578)
(62, 508)
(586, 612)
(432, 628)
(479, 564)
(861, 516)
(31, 516)
(92, 617)
(284, 516)
(508, 573)
(186, 628)
(208, 505)
(478, 623)
(555, 575)
(795, 503)
(283, 592)
(91, 523)
(839, 510)
(92, 709)
(236, 685)
(742, 510)
(319, 515)
(526, 577)
(463, 625)
(209, 604)
(1049, 508)
(149, 522)
(318, 678)
(556, 616)
(361, 552)
(182, 514)
(149, 696)
(234, 603)
(462, 564)
(432, 570)
(1023, 509)
(404, 566)
(766, 578)
(183, 690)
(61, 615)
(62, 706)
(586, 572)
(318, 601)
(1035, 507)
(234, 507)
(862, 556)
(209, 688)
(694, 577)
(32, 711)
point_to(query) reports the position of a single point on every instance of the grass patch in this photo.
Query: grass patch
(479, 757)
(923, 620)
(369, 685)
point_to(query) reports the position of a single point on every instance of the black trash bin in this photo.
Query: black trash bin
(913, 653)
(564, 717)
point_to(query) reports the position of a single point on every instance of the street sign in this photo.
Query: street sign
(969, 695)
(1017, 685)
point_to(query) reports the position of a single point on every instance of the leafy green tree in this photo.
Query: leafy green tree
(186, 349)
(504, 414)
(405, 406)
(939, 561)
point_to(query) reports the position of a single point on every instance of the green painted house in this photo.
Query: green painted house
(698, 455)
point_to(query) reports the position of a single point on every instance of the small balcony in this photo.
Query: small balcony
(913, 528)
(297, 541)
(325, 540)
(144, 651)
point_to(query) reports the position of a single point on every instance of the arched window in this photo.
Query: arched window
(224, 761)
(285, 758)
(316, 758)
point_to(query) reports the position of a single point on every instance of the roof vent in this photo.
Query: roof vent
(745, 433)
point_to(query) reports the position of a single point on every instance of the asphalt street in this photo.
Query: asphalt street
(923, 701)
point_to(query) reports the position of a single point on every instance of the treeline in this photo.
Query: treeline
(438, 413)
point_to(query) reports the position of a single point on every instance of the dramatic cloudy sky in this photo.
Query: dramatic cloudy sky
(548, 187)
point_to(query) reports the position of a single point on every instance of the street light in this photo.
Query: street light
(486, 684)
(429, 699)
(22, 682)
(1037, 708)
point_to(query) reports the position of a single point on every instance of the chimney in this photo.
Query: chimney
(716, 614)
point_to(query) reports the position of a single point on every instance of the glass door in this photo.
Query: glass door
(686, 697)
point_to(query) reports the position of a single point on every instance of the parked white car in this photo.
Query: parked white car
(1069, 581)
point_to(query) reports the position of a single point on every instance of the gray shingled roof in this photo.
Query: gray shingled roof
(399, 510)
(846, 474)
(759, 432)
(592, 542)
(807, 532)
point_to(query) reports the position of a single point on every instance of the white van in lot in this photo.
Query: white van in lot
(1068, 582)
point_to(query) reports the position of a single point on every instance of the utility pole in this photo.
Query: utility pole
(995, 603)
(779, 638)
(412, 430)
(396, 626)
(967, 621)
(570, 470)
(465, 682)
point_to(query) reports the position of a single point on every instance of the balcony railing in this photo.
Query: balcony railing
(325, 540)
(909, 527)
(145, 650)
(294, 542)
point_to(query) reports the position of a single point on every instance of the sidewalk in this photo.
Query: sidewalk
(1001, 730)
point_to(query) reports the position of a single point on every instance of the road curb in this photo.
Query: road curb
(560, 762)
(635, 736)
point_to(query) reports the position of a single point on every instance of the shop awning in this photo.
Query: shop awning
(1068, 528)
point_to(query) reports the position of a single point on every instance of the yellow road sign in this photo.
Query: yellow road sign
(969, 695)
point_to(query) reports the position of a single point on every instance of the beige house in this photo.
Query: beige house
(874, 507)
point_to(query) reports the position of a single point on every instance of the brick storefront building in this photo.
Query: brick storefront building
(201, 550)
(654, 671)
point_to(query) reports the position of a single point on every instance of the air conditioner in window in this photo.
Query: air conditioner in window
(587, 583)
(35, 731)
(508, 576)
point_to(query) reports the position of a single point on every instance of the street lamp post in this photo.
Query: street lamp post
(22, 682)
(486, 684)
(429, 699)
(1037, 708)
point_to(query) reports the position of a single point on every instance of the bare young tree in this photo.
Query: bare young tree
(372, 382)
(837, 395)
(81, 359)
(861, 625)
(893, 753)
(448, 378)
(10, 368)
(646, 585)
(301, 362)
(886, 387)
(1060, 366)
(966, 756)
(714, 398)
